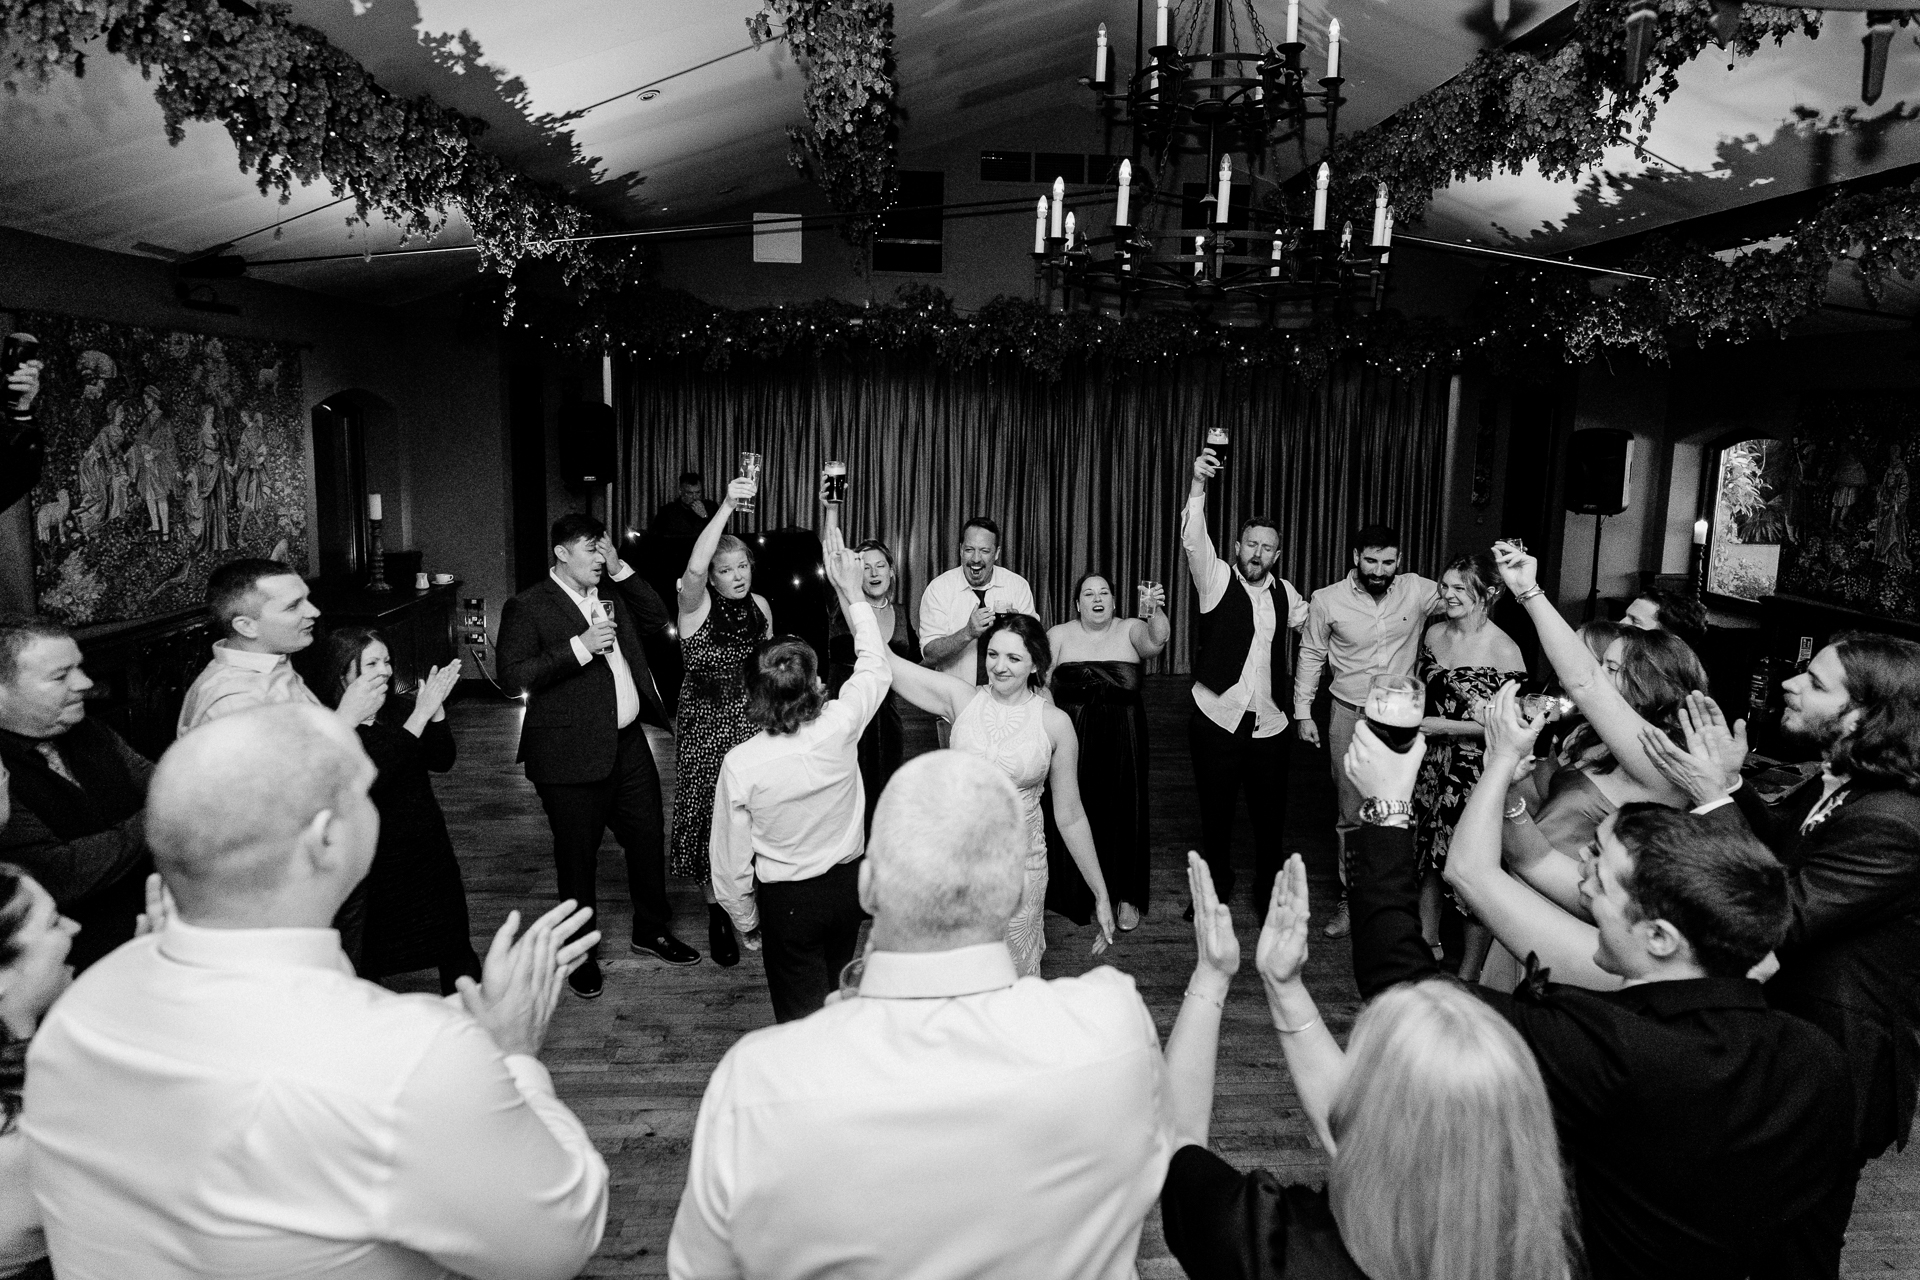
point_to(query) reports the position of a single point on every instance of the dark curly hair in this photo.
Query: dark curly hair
(1033, 635)
(1680, 613)
(782, 677)
(1883, 680)
(1721, 888)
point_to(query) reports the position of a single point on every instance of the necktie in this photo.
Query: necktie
(51, 755)
(979, 646)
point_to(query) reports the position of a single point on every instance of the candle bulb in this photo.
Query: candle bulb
(1069, 231)
(1223, 202)
(1059, 206)
(1333, 49)
(1199, 255)
(373, 506)
(1274, 270)
(1040, 227)
(1160, 24)
(1700, 532)
(1379, 215)
(1126, 193)
(1320, 197)
(1386, 241)
(1293, 21)
(1346, 236)
(1100, 56)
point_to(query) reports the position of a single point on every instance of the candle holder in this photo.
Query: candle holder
(377, 560)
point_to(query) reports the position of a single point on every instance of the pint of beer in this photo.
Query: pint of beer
(1217, 442)
(1395, 706)
(835, 476)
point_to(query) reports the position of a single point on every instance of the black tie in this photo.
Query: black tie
(980, 646)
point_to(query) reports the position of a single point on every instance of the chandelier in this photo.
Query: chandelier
(1222, 102)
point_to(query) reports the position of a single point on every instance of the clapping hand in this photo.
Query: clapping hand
(843, 567)
(431, 698)
(1709, 766)
(1518, 569)
(1216, 948)
(520, 979)
(1282, 950)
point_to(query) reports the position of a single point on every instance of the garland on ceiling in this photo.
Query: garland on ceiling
(300, 109)
(845, 51)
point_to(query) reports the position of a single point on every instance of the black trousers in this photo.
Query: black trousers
(808, 929)
(627, 800)
(1224, 765)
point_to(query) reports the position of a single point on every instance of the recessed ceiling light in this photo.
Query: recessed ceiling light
(648, 95)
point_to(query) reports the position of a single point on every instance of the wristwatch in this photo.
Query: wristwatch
(1375, 811)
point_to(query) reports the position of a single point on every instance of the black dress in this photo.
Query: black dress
(1110, 720)
(416, 905)
(883, 743)
(1226, 1225)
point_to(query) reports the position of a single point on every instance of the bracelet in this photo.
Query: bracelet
(1518, 811)
(1204, 998)
(1529, 594)
(1308, 1025)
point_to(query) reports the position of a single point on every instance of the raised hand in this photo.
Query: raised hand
(1152, 601)
(24, 385)
(739, 490)
(1518, 569)
(1510, 733)
(432, 695)
(520, 979)
(1282, 951)
(363, 697)
(1215, 946)
(1206, 466)
(159, 908)
(1380, 771)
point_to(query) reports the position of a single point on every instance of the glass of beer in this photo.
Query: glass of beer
(1218, 444)
(1147, 587)
(1395, 707)
(749, 470)
(835, 477)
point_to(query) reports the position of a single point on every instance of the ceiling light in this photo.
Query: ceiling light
(648, 95)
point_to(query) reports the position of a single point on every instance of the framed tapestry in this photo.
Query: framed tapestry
(1845, 499)
(168, 454)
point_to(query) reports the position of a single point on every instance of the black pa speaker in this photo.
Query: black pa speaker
(586, 444)
(1599, 471)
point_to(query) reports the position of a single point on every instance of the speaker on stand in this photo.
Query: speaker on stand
(1599, 482)
(587, 453)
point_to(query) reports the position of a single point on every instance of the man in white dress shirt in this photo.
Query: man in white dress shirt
(958, 606)
(952, 1119)
(789, 808)
(222, 1097)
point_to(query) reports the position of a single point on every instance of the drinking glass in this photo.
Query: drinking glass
(850, 975)
(1147, 587)
(1395, 707)
(749, 470)
(835, 487)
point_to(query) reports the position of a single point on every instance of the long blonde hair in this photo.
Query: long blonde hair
(1447, 1164)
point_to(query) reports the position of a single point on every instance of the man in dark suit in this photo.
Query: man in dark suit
(576, 656)
(1702, 1129)
(1850, 837)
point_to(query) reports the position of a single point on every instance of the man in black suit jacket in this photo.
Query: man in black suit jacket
(1699, 1125)
(576, 656)
(1850, 837)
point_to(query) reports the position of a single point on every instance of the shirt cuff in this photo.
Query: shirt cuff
(626, 571)
(580, 650)
(529, 1074)
(1711, 805)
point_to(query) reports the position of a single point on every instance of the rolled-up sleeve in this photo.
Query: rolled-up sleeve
(1211, 574)
(1313, 659)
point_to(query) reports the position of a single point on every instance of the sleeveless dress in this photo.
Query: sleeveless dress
(1110, 720)
(712, 722)
(1452, 768)
(1014, 740)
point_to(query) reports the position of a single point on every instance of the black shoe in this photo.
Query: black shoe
(720, 939)
(586, 981)
(667, 948)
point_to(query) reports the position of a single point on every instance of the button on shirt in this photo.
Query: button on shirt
(238, 679)
(1213, 578)
(1361, 636)
(626, 696)
(948, 1121)
(234, 1102)
(949, 601)
(791, 806)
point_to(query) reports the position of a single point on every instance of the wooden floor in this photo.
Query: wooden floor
(634, 1063)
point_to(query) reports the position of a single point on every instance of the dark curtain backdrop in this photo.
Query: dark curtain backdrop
(1087, 472)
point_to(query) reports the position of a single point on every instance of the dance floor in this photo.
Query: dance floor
(633, 1064)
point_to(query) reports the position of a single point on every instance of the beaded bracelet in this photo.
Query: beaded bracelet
(1518, 811)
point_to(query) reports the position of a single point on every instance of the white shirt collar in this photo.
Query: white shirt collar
(247, 658)
(252, 949)
(590, 593)
(928, 975)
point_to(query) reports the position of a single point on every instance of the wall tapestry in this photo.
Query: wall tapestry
(1845, 504)
(168, 454)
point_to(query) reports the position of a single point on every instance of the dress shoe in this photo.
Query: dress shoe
(1342, 923)
(586, 981)
(720, 941)
(1128, 917)
(665, 947)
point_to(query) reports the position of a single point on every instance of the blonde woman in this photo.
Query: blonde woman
(1445, 1163)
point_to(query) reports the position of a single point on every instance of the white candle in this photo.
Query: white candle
(1379, 215)
(1224, 199)
(1333, 49)
(1274, 270)
(1059, 205)
(1126, 193)
(1069, 231)
(1100, 56)
(1320, 198)
(1293, 21)
(1040, 227)
(1200, 255)
(373, 506)
(1160, 24)
(1700, 532)
(1387, 239)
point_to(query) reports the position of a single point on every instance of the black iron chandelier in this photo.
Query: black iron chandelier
(1220, 103)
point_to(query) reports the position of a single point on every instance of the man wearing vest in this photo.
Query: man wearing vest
(1237, 731)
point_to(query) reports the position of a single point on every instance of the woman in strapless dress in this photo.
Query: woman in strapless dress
(1007, 723)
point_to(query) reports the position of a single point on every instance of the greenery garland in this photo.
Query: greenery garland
(845, 50)
(300, 109)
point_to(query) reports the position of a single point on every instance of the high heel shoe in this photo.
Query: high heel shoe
(721, 943)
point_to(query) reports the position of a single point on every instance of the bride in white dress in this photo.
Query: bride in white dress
(1007, 723)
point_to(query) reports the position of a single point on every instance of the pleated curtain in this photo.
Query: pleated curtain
(1089, 472)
